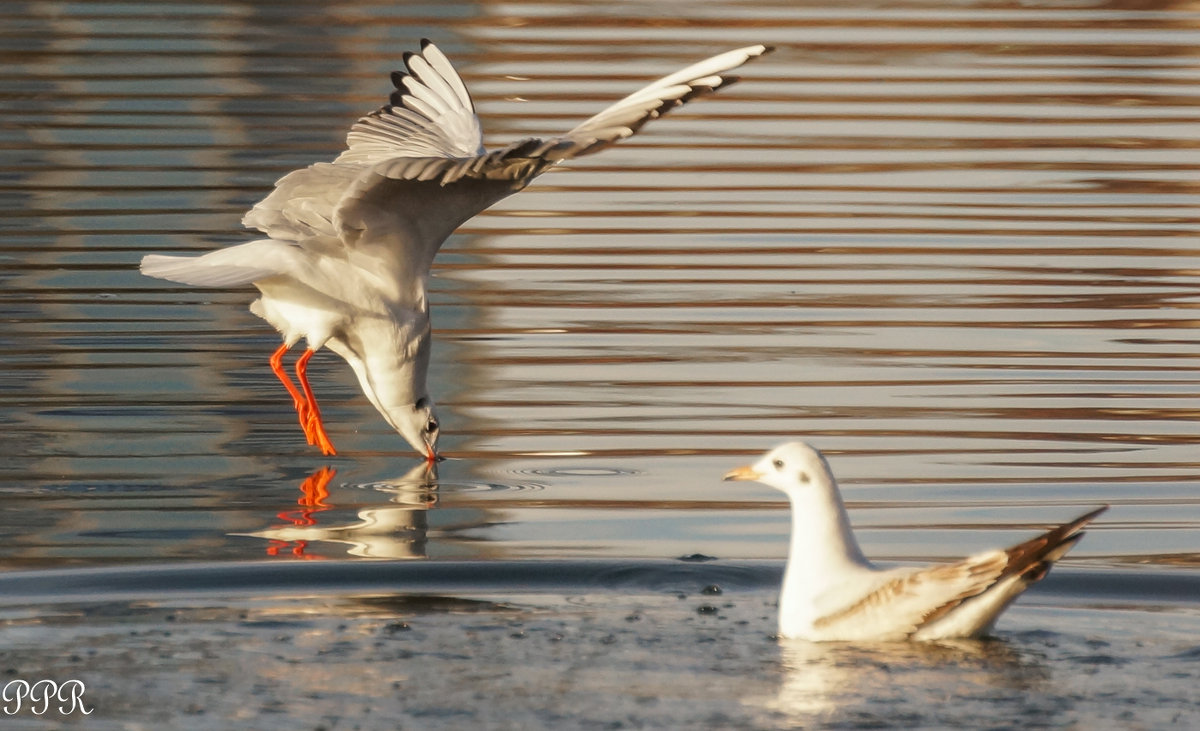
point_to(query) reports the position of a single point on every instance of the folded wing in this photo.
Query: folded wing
(961, 599)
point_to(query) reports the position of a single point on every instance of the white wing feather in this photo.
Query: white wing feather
(627, 116)
(431, 115)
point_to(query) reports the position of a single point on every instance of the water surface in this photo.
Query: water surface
(952, 246)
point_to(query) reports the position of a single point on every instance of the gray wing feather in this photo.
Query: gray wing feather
(302, 204)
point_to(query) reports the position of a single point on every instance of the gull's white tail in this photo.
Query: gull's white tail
(236, 266)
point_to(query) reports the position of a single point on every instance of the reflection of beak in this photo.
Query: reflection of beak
(422, 475)
(742, 474)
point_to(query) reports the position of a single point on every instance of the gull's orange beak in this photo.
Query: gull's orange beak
(743, 474)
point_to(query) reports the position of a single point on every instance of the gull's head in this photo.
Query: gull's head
(419, 425)
(794, 468)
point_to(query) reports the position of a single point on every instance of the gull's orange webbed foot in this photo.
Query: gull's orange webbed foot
(319, 438)
(314, 429)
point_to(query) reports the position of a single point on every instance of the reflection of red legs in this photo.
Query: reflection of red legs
(306, 403)
(297, 550)
(314, 429)
(315, 489)
(313, 493)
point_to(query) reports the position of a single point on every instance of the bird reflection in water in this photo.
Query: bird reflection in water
(824, 683)
(313, 493)
(395, 531)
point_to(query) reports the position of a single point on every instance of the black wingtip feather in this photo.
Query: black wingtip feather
(1081, 521)
(1023, 557)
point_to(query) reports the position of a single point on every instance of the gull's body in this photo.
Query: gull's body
(831, 592)
(350, 243)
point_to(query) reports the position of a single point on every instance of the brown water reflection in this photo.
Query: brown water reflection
(954, 247)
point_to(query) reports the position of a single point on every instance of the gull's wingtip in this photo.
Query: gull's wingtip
(755, 51)
(1088, 517)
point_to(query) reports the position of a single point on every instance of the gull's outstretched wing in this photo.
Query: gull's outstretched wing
(627, 116)
(428, 174)
(416, 169)
(523, 159)
(431, 115)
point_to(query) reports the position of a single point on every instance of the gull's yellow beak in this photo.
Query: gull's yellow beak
(742, 474)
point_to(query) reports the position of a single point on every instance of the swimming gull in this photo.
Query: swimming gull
(350, 243)
(831, 592)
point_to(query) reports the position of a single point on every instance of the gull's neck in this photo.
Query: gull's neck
(823, 553)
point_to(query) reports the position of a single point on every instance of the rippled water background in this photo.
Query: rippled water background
(952, 245)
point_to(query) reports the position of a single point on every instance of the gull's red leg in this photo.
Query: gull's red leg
(301, 405)
(314, 428)
(277, 367)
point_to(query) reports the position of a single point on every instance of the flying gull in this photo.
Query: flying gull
(350, 243)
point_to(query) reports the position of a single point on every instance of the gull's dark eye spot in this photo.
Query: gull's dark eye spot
(431, 426)
(803, 477)
(777, 464)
